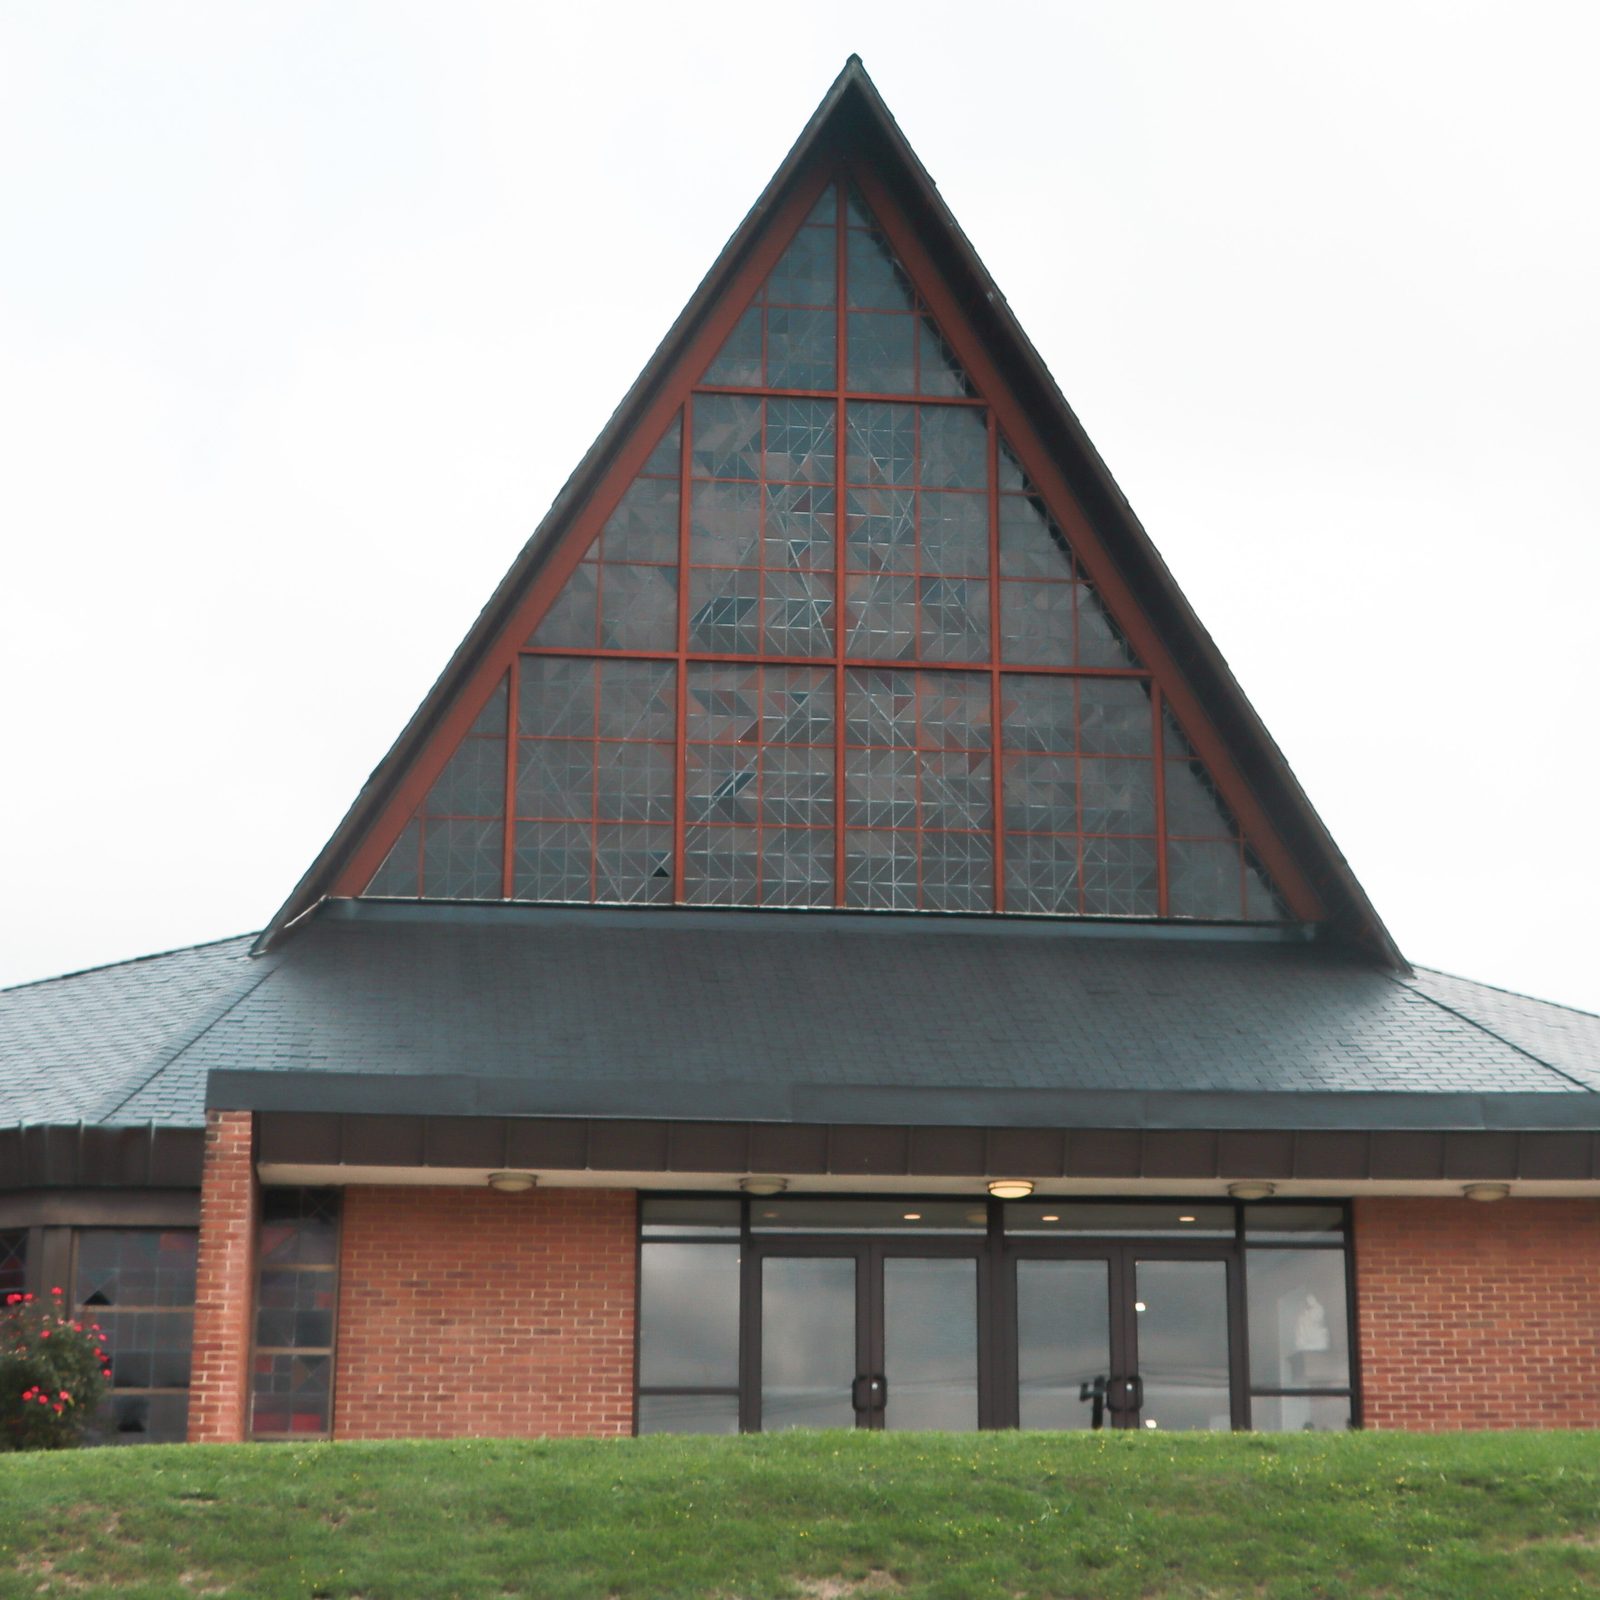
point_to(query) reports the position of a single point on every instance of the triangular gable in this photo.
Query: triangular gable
(706, 686)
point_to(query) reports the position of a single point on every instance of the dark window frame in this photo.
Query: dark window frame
(997, 1254)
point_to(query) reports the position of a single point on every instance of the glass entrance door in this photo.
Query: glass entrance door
(868, 1335)
(1124, 1336)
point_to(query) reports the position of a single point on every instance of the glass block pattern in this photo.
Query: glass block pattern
(136, 1285)
(1079, 789)
(1211, 871)
(454, 847)
(831, 648)
(759, 785)
(595, 779)
(624, 593)
(297, 1285)
(891, 342)
(786, 339)
(761, 526)
(1049, 614)
(916, 532)
(918, 798)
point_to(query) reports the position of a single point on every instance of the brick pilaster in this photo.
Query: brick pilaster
(225, 1284)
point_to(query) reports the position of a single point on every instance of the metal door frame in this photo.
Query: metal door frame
(869, 1251)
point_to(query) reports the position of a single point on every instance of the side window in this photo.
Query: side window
(137, 1284)
(291, 1384)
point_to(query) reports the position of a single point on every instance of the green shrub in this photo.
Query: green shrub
(54, 1373)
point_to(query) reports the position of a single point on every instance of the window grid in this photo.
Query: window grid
(13, 1261)
(801, 544)
(136, 1285)
(295, 1315)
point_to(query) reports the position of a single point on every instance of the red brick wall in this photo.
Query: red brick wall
(463, 1311)
(225, 1281)
(1477, 1315)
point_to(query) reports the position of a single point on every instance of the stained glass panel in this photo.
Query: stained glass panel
(136, 1286)
(291, 1383)
(758, 785)
(904, 580)
(761, 527)
(785, 340)
(595, 783)
(916, 557)
(918, 802)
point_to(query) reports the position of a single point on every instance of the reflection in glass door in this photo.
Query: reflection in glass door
(930, 1343)
(873, 1339)
(809, 1358)
(1181, 1344)
(1063, 1343)
(1118, 1336)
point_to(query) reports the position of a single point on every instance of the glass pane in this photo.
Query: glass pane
(808, 1342)
(1294, 1224)
(672, 1215)
(1181, 1310)
(868, 1216)
(1299, 1332)
(1063, 1340)
(1168, 1219)
(1300, 1413)
(688, 1413)
(13, 1261)
(930, 1343)
(688, 1314)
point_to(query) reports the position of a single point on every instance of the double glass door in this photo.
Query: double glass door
(869, 1334)
(1125, 1336)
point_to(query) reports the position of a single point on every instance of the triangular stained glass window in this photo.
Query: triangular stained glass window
(899, 689)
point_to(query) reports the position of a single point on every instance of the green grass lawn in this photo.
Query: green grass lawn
(821, 1516)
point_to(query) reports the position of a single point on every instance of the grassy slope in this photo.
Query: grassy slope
(820, 1515)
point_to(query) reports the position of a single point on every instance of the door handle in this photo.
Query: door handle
(1095, 1392)
(1125, 1394)
(869, 1392)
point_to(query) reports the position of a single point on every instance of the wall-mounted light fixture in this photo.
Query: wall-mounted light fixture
(1252, 1189)
(1011, 1188)
(512, 1182)
(1486, 1191)
(763, 1185)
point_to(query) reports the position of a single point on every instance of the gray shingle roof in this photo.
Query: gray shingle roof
(684, 1013)
(76, 1048)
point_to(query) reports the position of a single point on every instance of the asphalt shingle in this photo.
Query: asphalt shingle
(652, 1007)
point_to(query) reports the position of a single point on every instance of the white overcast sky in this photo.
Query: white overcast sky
(306, 312)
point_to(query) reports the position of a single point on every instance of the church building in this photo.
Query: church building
(834, 948)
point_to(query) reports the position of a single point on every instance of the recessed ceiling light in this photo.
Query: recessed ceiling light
(1138, 1305)
(763, 1186)
(913, 1216)
(1253, 1189)
(1011, 1188)
(1050, 1217)
(1185, 1219)
(512, 1182)
(1486, 1191)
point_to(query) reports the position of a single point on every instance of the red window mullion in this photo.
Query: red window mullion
(679, 805)
(839, 523)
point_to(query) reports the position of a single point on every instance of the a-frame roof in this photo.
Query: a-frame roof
(852, 125)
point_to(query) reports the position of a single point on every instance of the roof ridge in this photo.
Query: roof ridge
(1516, 994)
(1483, 1027)
(127, 961)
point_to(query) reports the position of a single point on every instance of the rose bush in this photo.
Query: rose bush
(54, 1372)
